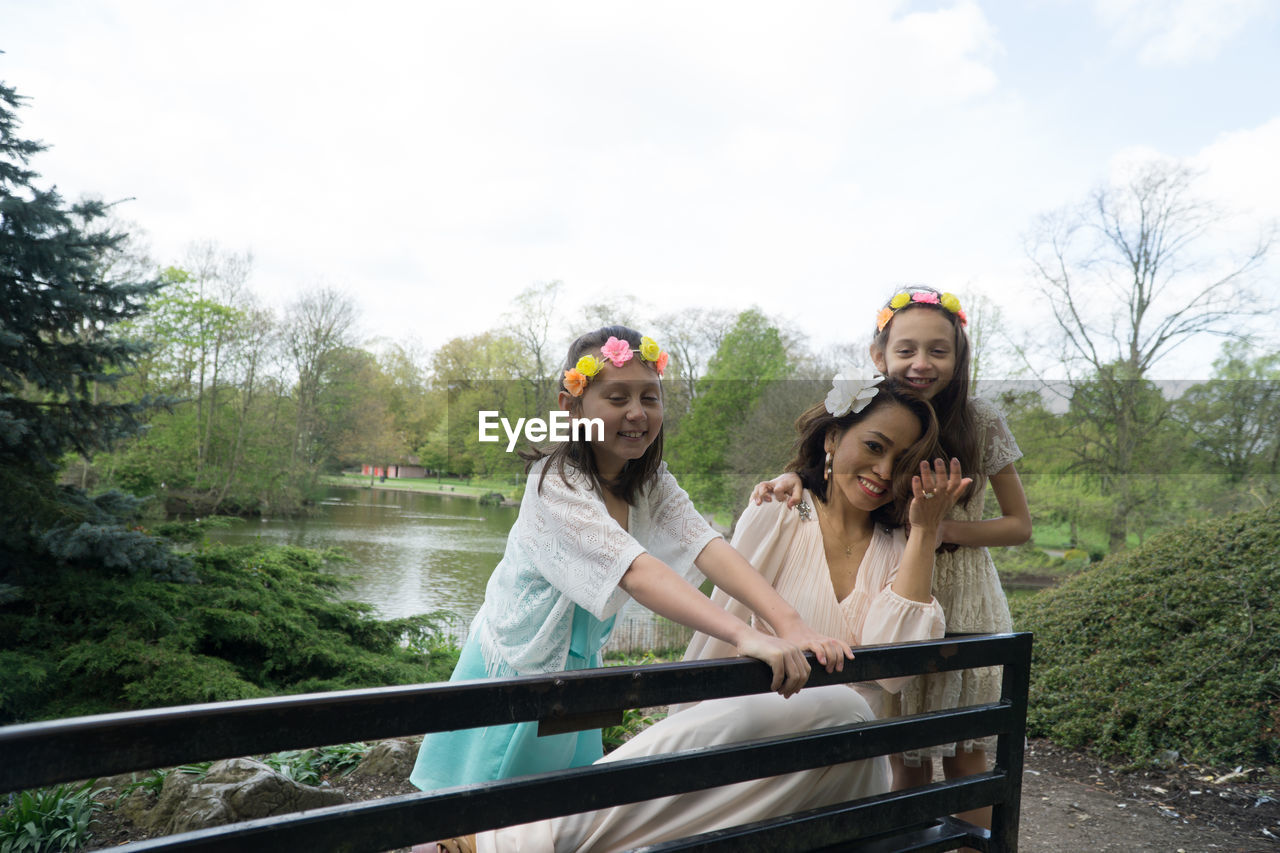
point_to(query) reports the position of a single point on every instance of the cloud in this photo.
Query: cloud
(1178, 32)
(1241, 169)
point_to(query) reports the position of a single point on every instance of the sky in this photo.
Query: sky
(434, 159)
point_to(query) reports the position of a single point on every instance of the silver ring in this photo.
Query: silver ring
(928, 495)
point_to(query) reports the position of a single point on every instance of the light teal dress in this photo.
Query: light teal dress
(549, 606)
(468, 756)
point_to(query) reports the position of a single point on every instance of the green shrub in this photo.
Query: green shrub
(311, 766)
(634, 720)
(259, 621)
(47, 819)
(1174, 645)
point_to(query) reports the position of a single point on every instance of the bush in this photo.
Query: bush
(47, 820)
(260, 621)
(1171, 646)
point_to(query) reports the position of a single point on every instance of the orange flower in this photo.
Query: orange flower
(661, 364)
(574, 382)
(883, 318)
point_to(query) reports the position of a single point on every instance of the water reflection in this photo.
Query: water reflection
(410, 552)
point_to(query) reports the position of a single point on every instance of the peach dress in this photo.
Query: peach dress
(786, 547)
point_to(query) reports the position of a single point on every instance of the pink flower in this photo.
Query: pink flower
(661, 364)
(618, 352)
(925, 296)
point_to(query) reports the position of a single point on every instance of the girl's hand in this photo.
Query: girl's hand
(830, 651)
(934, 492)
(790, 668)
(784, 485)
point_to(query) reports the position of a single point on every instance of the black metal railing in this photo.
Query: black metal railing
(38, 754)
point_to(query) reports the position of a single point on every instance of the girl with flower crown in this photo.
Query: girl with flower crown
(600, 522)
(842, 559)
(920, 341)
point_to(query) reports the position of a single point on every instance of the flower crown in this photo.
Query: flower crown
(851, 393)
(903, 298)
(619, 353)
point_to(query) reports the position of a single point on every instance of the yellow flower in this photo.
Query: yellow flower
(899, 300)
(588, 366)
(951, 302)
(649, 349)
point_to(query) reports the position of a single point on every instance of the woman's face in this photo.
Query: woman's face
(863, 456)
(920, 351)
(628, 401)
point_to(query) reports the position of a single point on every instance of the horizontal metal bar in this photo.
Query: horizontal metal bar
(45, 753)
(399, 821)
(913, 812)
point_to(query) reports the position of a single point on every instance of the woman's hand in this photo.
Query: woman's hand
(934, 492)
(786, 485)
(789, 665)
(830, 651)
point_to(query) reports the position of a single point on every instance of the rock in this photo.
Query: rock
(233, 790)
(388, 758)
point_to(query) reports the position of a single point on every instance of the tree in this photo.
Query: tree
(692, 337)
(1233, 416)
(751, 355)
(60, 360)
(1129, 276)
(321, 325)
(536, 354)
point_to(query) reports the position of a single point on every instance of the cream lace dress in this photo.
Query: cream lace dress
(966, 585)
(787, 549)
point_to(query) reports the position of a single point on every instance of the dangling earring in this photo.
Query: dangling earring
(826, 472)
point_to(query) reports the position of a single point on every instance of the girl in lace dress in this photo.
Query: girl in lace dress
(603, 520)
(920, 341)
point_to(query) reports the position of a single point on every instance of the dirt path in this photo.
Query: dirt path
(1070, 802)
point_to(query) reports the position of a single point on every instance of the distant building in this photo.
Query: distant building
(393, 472)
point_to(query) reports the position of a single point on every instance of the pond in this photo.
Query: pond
(415, 552)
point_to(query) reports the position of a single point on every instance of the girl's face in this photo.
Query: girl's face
(863, 456)
(920, 351)
(628, 400)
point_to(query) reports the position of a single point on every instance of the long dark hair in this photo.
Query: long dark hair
(816, 423)
(956, 431)
(637, 473)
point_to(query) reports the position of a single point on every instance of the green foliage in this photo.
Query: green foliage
(1174, 645)
(260, 621)
(634, 720)
(312, 766)
(751, 355)
(47, 820)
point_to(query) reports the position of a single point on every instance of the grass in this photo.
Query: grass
(473, 488)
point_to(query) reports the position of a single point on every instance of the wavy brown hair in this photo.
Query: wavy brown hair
(816, 423)
(956, 431)
(637, 473)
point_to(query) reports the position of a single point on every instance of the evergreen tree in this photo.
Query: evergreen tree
(59, 363)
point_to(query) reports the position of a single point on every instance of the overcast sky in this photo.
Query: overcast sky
(434, 159)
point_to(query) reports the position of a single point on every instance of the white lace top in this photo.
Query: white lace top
(565, 550)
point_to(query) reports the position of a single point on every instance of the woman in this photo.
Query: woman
(842, 560)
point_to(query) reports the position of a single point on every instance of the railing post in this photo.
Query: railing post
(1010, 747)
